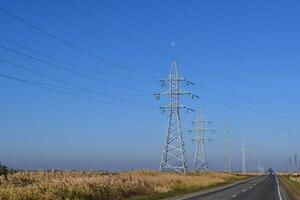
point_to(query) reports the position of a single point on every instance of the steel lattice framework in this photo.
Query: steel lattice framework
(200, 160)
(173, 156)
(227, 149)
(243, 151)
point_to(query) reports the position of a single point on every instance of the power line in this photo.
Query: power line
(70, 44)
(260, 125)
(126, 36)
(250, 109)
(72, 71)
(71, 84)
(88, 13)
(91, 15)
(108, 82)
(244, 97)
(67, 62)
(51, 87)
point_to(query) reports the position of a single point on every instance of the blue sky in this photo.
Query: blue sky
(243, 57)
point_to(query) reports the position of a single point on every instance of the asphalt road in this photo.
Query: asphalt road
(260, 188)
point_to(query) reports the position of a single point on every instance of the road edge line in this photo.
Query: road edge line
(278, 188)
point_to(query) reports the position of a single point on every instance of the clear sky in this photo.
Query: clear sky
(243, 57)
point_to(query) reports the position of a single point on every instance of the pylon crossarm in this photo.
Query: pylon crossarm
(182, 92)
(162, 93)
(164, 81)
(172, 107)
(168, 93)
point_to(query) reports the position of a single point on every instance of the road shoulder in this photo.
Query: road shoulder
(287, 192)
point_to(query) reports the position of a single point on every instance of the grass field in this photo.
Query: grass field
(292, 185)
(137, 185)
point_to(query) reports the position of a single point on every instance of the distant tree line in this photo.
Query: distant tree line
(4, 171)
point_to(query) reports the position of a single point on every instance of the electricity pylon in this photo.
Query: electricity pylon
(290, 164)
(260, 167)
(200, 129)
(243, 158)
(173, 156)
(296, 162)
(227, 160)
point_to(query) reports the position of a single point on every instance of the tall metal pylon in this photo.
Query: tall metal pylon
(227, 161)
(243, 158)
(173, 156)
(200, 159)
(296, 162)
(290, 164)
(260, 167)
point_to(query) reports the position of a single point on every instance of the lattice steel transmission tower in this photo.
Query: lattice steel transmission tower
(173, 156)
(260, 167)
(201, 126)
(290, 164)
(296, 162)
(227, 161)
(243, 158)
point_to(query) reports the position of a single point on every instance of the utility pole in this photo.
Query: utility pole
(227, 149)
(296, 162)
(290, 164)
(243, 158)
(199, 126)
(173, 156)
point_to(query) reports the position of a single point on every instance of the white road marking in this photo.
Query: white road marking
(233, 195)
(244, 190)
(278, 189)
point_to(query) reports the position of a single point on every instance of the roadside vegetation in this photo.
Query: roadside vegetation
(291, 183)
(97, 185)
(3, 171)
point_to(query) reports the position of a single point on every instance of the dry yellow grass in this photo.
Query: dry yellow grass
(69, 185)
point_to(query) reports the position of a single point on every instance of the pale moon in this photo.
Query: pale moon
(173, 43)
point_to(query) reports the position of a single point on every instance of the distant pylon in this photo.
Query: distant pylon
(199, 126)
(173, 156)
(227, 148)
(260, 167)
(290, 164)
(296, 162)
(243, 158)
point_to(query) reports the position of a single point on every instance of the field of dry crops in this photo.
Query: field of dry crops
(69, 185)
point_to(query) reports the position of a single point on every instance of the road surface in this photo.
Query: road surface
(261, 188)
